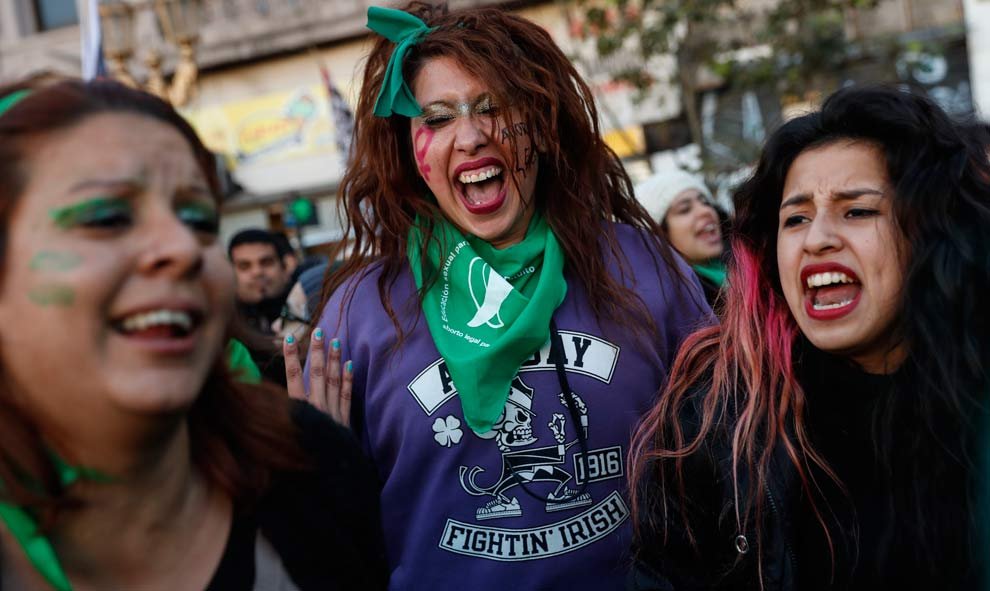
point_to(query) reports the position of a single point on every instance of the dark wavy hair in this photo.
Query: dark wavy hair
(581, 181)
(240, 434)
(745, 369)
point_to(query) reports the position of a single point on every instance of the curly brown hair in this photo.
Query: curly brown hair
(581, 181)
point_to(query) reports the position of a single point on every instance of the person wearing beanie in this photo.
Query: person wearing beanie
(683, 206)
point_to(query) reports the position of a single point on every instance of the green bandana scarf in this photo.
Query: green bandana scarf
(713, 270)
(488, 310)
(23, 525)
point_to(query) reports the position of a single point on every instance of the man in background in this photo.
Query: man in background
(262, 278)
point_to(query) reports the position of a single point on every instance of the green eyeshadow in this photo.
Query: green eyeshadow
(89, 211)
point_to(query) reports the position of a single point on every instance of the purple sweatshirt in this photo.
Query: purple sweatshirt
(520, 507)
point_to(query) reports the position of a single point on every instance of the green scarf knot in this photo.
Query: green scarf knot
(405, 30)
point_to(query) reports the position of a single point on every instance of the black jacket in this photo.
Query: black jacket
(876, 543)
(727, 553)
(322, 526)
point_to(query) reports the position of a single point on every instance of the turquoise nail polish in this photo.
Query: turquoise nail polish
(349, 366)
(290, 339)
(336, 344)
(318, 334)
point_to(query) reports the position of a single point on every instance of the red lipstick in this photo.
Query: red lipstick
(809, 299)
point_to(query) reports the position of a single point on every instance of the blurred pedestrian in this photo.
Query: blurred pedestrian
(683, 206)
(261, 277)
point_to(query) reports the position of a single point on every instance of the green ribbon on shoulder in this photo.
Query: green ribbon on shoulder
(24, 527)
(405, 30)
(488, 310)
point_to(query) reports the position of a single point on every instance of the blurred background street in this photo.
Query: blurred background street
(270, 84)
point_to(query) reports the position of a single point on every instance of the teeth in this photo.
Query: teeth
(157, 318)
(823, 279)
(467, 179)
(831, 306)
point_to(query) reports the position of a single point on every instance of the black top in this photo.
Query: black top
(901, 521)
(842, 402)
(873, 523)
(320, 529)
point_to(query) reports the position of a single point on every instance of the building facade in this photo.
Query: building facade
(261, 100)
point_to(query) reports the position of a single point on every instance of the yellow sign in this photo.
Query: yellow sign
(630, 141)
(269, 128)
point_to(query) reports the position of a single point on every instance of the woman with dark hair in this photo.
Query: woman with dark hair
(507, 313)
(826, 435)
(130, 457)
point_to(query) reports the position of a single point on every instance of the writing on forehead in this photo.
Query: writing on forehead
(481, 105)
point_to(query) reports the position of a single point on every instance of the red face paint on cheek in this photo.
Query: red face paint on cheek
(425, 134)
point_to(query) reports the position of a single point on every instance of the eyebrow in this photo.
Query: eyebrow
(194, 191)
(104, 183)
(846, 195)
(451, 104)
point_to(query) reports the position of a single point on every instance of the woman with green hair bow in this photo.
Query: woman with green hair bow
(508, 312)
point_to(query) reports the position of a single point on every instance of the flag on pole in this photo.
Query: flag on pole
(343, 119)
(93, 65)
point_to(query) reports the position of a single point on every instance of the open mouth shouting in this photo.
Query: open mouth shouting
(831, 290)
(481, 186)
(709, 233)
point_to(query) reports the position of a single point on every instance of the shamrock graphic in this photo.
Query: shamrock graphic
(447, 431)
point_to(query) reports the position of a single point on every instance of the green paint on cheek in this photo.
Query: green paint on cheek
(49, 260)
(52, 295)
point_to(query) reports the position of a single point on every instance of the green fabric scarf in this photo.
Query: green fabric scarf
(23, 525)
(713, 270)
(405, 30)
(488, 310)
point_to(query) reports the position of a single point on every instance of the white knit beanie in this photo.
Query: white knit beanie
(658, 192)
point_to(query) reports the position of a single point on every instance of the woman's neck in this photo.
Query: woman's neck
(155, 504)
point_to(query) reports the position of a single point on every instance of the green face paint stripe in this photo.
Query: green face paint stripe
(52, 295)
(69, 216)
(49, 260)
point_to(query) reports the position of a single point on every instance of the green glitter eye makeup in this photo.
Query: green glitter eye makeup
(202, 217)
(100, 212)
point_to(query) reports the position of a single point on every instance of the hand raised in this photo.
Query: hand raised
(329, 383)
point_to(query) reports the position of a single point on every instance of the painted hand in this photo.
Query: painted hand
(329, 384)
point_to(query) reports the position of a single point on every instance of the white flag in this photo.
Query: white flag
(91, 42)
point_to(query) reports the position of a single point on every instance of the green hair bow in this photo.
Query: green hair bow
(405, 30)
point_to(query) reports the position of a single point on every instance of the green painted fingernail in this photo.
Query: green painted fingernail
(349, 366)
(290, 339)
(318, 334)
(336, 344)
